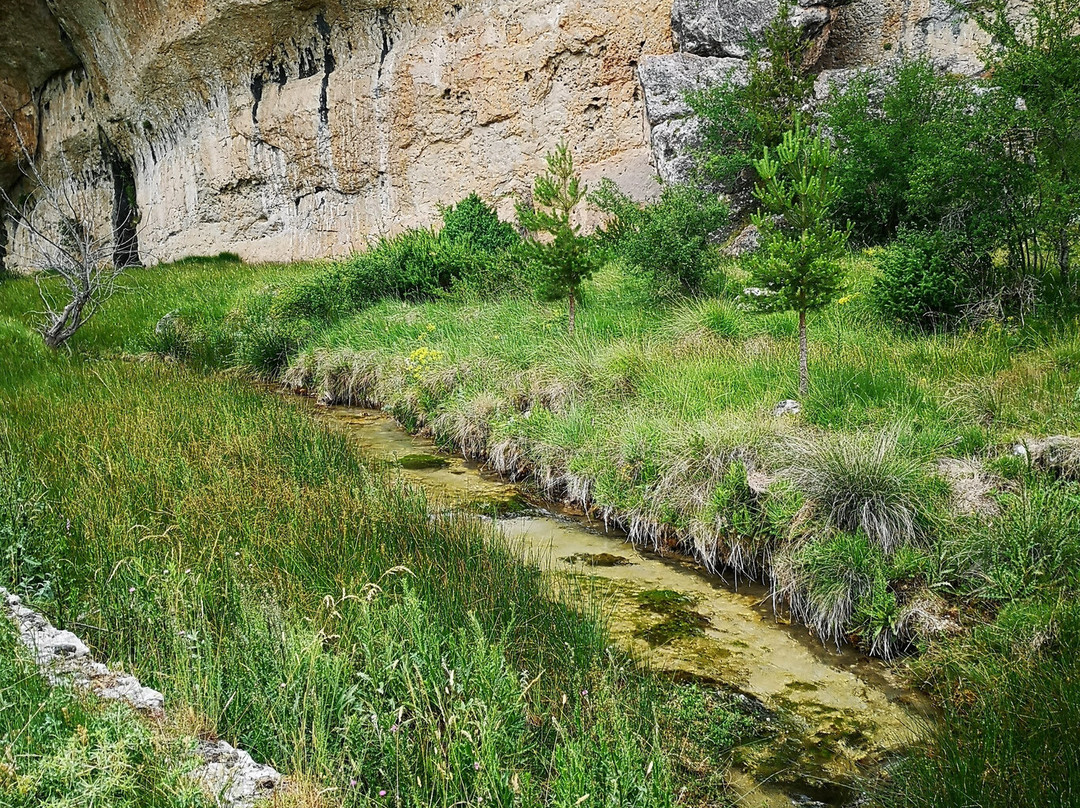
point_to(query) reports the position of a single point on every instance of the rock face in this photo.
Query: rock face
(714, 28)
(284, 129)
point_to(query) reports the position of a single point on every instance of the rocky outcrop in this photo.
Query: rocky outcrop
(844, 38)
(228, 774)
(283, 129)
(674, 133)
(714, 28)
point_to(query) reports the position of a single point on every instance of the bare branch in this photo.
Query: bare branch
(68, 240)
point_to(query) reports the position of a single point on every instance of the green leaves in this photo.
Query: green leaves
(799, 258)
(566, 257)
(666, 239)
(741, 118)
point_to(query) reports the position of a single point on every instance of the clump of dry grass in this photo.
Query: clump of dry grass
(861, 483)
(467, 423)
(1057, 454)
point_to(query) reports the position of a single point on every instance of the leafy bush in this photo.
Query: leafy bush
(667, 239)
(911, 153)
(265, 338)
(474, 221)
(740, 119)
(922, 278)
(416, 265)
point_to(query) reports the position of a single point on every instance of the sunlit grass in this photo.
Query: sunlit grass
(236, 554)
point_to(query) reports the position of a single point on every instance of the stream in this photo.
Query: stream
(842, 713)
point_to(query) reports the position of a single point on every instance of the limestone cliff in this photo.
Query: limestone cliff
(283, 129)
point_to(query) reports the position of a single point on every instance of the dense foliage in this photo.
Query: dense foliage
(923, 277)
(668, 239)
(744, 114)
(564, 256)
(474, 221)
(912, 153)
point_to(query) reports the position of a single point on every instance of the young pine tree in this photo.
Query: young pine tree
(798, 262)
(565, 257)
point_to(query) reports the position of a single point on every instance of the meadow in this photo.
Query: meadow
(219, 542)
(894, 511)
(234, 553)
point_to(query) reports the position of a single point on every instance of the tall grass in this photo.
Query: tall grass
(865, 485)
(245, 560)
(656, 414)
(1011, 710)
(64, 752)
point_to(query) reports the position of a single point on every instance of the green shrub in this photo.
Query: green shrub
(266, 335)
(667, 239)
(741, 119)
(415, 265)
(473, 221)
(908, 144)
(922, 278)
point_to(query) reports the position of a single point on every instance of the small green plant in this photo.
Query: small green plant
(668, 239)
(867, 485)
(922, 278)
(566, 258)
(798, 263)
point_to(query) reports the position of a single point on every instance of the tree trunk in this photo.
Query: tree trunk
(804, 370)
(573, 310)
(1063, 255)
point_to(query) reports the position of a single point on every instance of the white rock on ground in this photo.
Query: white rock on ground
(230, 775)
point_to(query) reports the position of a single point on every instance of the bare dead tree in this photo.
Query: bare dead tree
(69, 244)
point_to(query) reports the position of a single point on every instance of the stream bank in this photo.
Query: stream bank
(839, 715)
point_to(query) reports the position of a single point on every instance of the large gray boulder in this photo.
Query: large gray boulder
(674, 132)
(727, 27)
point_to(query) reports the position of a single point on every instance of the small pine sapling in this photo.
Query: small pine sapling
(565, 257)
(798, 263)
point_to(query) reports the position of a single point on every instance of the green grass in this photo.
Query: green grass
(657, 414)
(62, 751)
(1011, 707)
(239, 556)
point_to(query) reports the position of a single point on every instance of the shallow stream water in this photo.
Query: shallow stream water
(842, 713)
